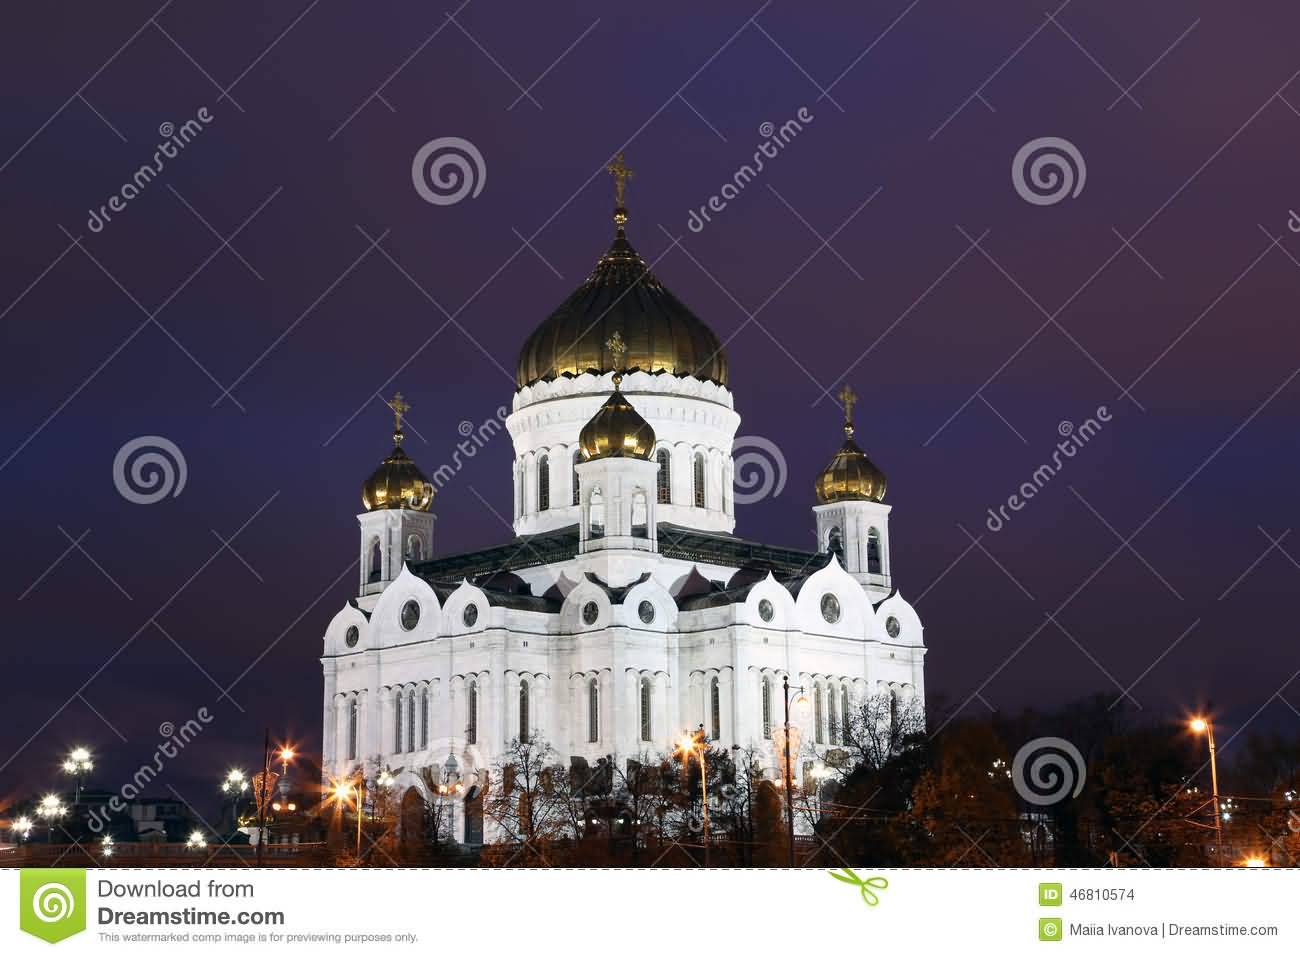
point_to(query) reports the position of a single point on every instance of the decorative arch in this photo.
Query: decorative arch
(376, 561)
(874, 564)
(543, 482)
(664, 480)
(697, 480)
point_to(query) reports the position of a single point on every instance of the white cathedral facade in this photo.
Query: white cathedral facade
(625, 611)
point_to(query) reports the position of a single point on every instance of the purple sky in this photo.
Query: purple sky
(967, 358)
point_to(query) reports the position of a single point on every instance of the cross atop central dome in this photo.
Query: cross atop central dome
(622, 296)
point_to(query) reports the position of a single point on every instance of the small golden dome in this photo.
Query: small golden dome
(850, 476)
(617, 429)
(398, 482)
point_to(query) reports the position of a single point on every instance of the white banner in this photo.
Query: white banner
(650, 912)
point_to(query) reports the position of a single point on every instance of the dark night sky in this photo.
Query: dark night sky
(1202, 458)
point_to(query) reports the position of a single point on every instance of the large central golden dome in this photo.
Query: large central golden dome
(622, 296)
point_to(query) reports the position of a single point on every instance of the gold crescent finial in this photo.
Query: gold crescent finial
(400, 407)
(848, 398)
(621, 173)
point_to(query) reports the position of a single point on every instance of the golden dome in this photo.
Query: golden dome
(398, 482)
(850, 476)
(622, 295)
(617, 429)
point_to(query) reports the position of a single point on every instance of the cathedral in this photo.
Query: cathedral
(624, 611)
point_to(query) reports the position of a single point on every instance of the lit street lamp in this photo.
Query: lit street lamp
(106, 845)
(78, 763)
(801, 707)
(1204, 726)
(196, 841)
(449, 788)
(21, 827)
(51, 809)
(698, 745)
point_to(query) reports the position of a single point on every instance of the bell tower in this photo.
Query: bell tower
(396, 526)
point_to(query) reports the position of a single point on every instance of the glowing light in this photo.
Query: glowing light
(1254, 862)
(1198, 725)
(106, 845)
(51, 807)
(196, 840)
(22, 826)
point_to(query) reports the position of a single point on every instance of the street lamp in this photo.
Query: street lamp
(22, 827)
(449, 787)
(801, 707)
(77, 764)
(196, 841)
(1254, 862)
(106, 845)
(1201, 725)
(698, 745)
(51, 809)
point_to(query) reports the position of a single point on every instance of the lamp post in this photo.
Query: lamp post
(22, 828)
(77, 764)
(450, 786)
(789, 763)
(1205, 726)
(698, 745)
(50, 810)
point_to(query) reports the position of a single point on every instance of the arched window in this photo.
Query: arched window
(519, 490)
(715, 710)
(410, 720)
(646, 724)
(835, 544)
(424, 717)
(832, 719)
(819, 715)
(640, 515)
(543, 483)
(593, 711)
(873, 552)
(471, 713)
(577, 457)
(376, 561)
(844, 714)
(352, 729)
(893, 711)
(698, 477)
(414, 549)
(397, 721)
(663, 481)
(523, 711)
(767, 709)
(597, 509)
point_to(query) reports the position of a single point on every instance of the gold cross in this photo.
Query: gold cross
(617, 349)
(849, 399)
(400, 407)
(621, 173)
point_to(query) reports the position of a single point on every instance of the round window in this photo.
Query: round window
(410, 614)
(470, 615)
(590, 612)
(765, 610)
(830, 608)
(892, 626)
(352, 636)
(646, 612)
